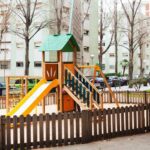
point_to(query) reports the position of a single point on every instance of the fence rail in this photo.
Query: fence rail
(49, 100)
(133, 97)
(72, 128)
(122, 97)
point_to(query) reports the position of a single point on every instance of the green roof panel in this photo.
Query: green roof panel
(65, 42)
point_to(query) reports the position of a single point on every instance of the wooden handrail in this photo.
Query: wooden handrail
(92, 85)
(77, 79)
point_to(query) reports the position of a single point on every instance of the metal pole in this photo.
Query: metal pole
(71, 15)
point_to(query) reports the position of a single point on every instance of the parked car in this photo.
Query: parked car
(2, 88)
(116, 81)
(124, 81)
(31, 83)
(99, 82)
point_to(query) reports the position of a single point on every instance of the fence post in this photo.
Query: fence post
(2, 133)
(85, 126)
(127, 97)
(145, 97)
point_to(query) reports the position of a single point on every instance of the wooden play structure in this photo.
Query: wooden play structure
(74, 91)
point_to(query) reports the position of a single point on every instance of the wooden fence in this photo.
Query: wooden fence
(72, 128)
(132, 97)
(49, 100)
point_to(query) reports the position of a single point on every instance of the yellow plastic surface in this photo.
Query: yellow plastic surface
(53, 84)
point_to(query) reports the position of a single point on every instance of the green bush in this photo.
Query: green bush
(137, 83)
(113, 74)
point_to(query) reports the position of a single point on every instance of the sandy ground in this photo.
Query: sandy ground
(136, 142)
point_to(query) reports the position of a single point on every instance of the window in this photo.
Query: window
(4, 50)
(111, 67)
(111, 55)
(86, 32)
(37, 44)
(37, 64)
(147, 67)
(19, 64)
(125, 54)
(103, 44)
(86, 48)
(4, 64)
(19, 45)
(125, 42)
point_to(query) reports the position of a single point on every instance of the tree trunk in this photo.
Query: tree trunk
(101, 35)
(27, 63)
(124, 69)
(130, 65)
(58, 26)
(116, 35)
(100, 57)
(141, 62)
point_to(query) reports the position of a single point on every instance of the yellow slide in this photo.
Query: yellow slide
(31, 100)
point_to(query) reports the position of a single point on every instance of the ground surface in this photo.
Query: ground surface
(136, 142)
(126, 88)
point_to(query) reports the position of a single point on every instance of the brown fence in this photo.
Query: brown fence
(72, 128)
(122, 96)
(49, 100)
(128, 97)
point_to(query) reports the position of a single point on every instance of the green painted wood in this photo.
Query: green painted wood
(63, 42)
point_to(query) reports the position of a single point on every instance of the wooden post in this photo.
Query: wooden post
(43, 64)
(26, 84)
(101, 101)
(56, 96)
(60, 77)
(43, 74)
(108, 86)
(7, 94)
(43, 106)
(91, 100)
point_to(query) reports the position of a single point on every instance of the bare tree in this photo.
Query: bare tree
(116, 34)
(131, 12)
(5, 16)
(4, 25)
(58, 6)
(105, 22)
(28, 16)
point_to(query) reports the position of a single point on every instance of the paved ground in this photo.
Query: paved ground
(136, 142)
(125, 88)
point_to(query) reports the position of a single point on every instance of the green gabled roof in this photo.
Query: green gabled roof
(64, 42)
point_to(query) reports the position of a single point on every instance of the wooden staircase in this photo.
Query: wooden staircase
(85, 95)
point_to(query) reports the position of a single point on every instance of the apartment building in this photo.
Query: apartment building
(12, 53)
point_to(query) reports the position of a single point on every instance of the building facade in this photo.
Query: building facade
(12, 53)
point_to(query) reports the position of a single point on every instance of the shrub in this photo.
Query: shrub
(137, 83)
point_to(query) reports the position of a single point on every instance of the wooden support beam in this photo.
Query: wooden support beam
(43, 64)
(60, 77)
(43, 105)
(7, 94)
(91, 100)
(101, 101)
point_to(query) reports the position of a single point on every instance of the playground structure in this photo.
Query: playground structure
(74, 91)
